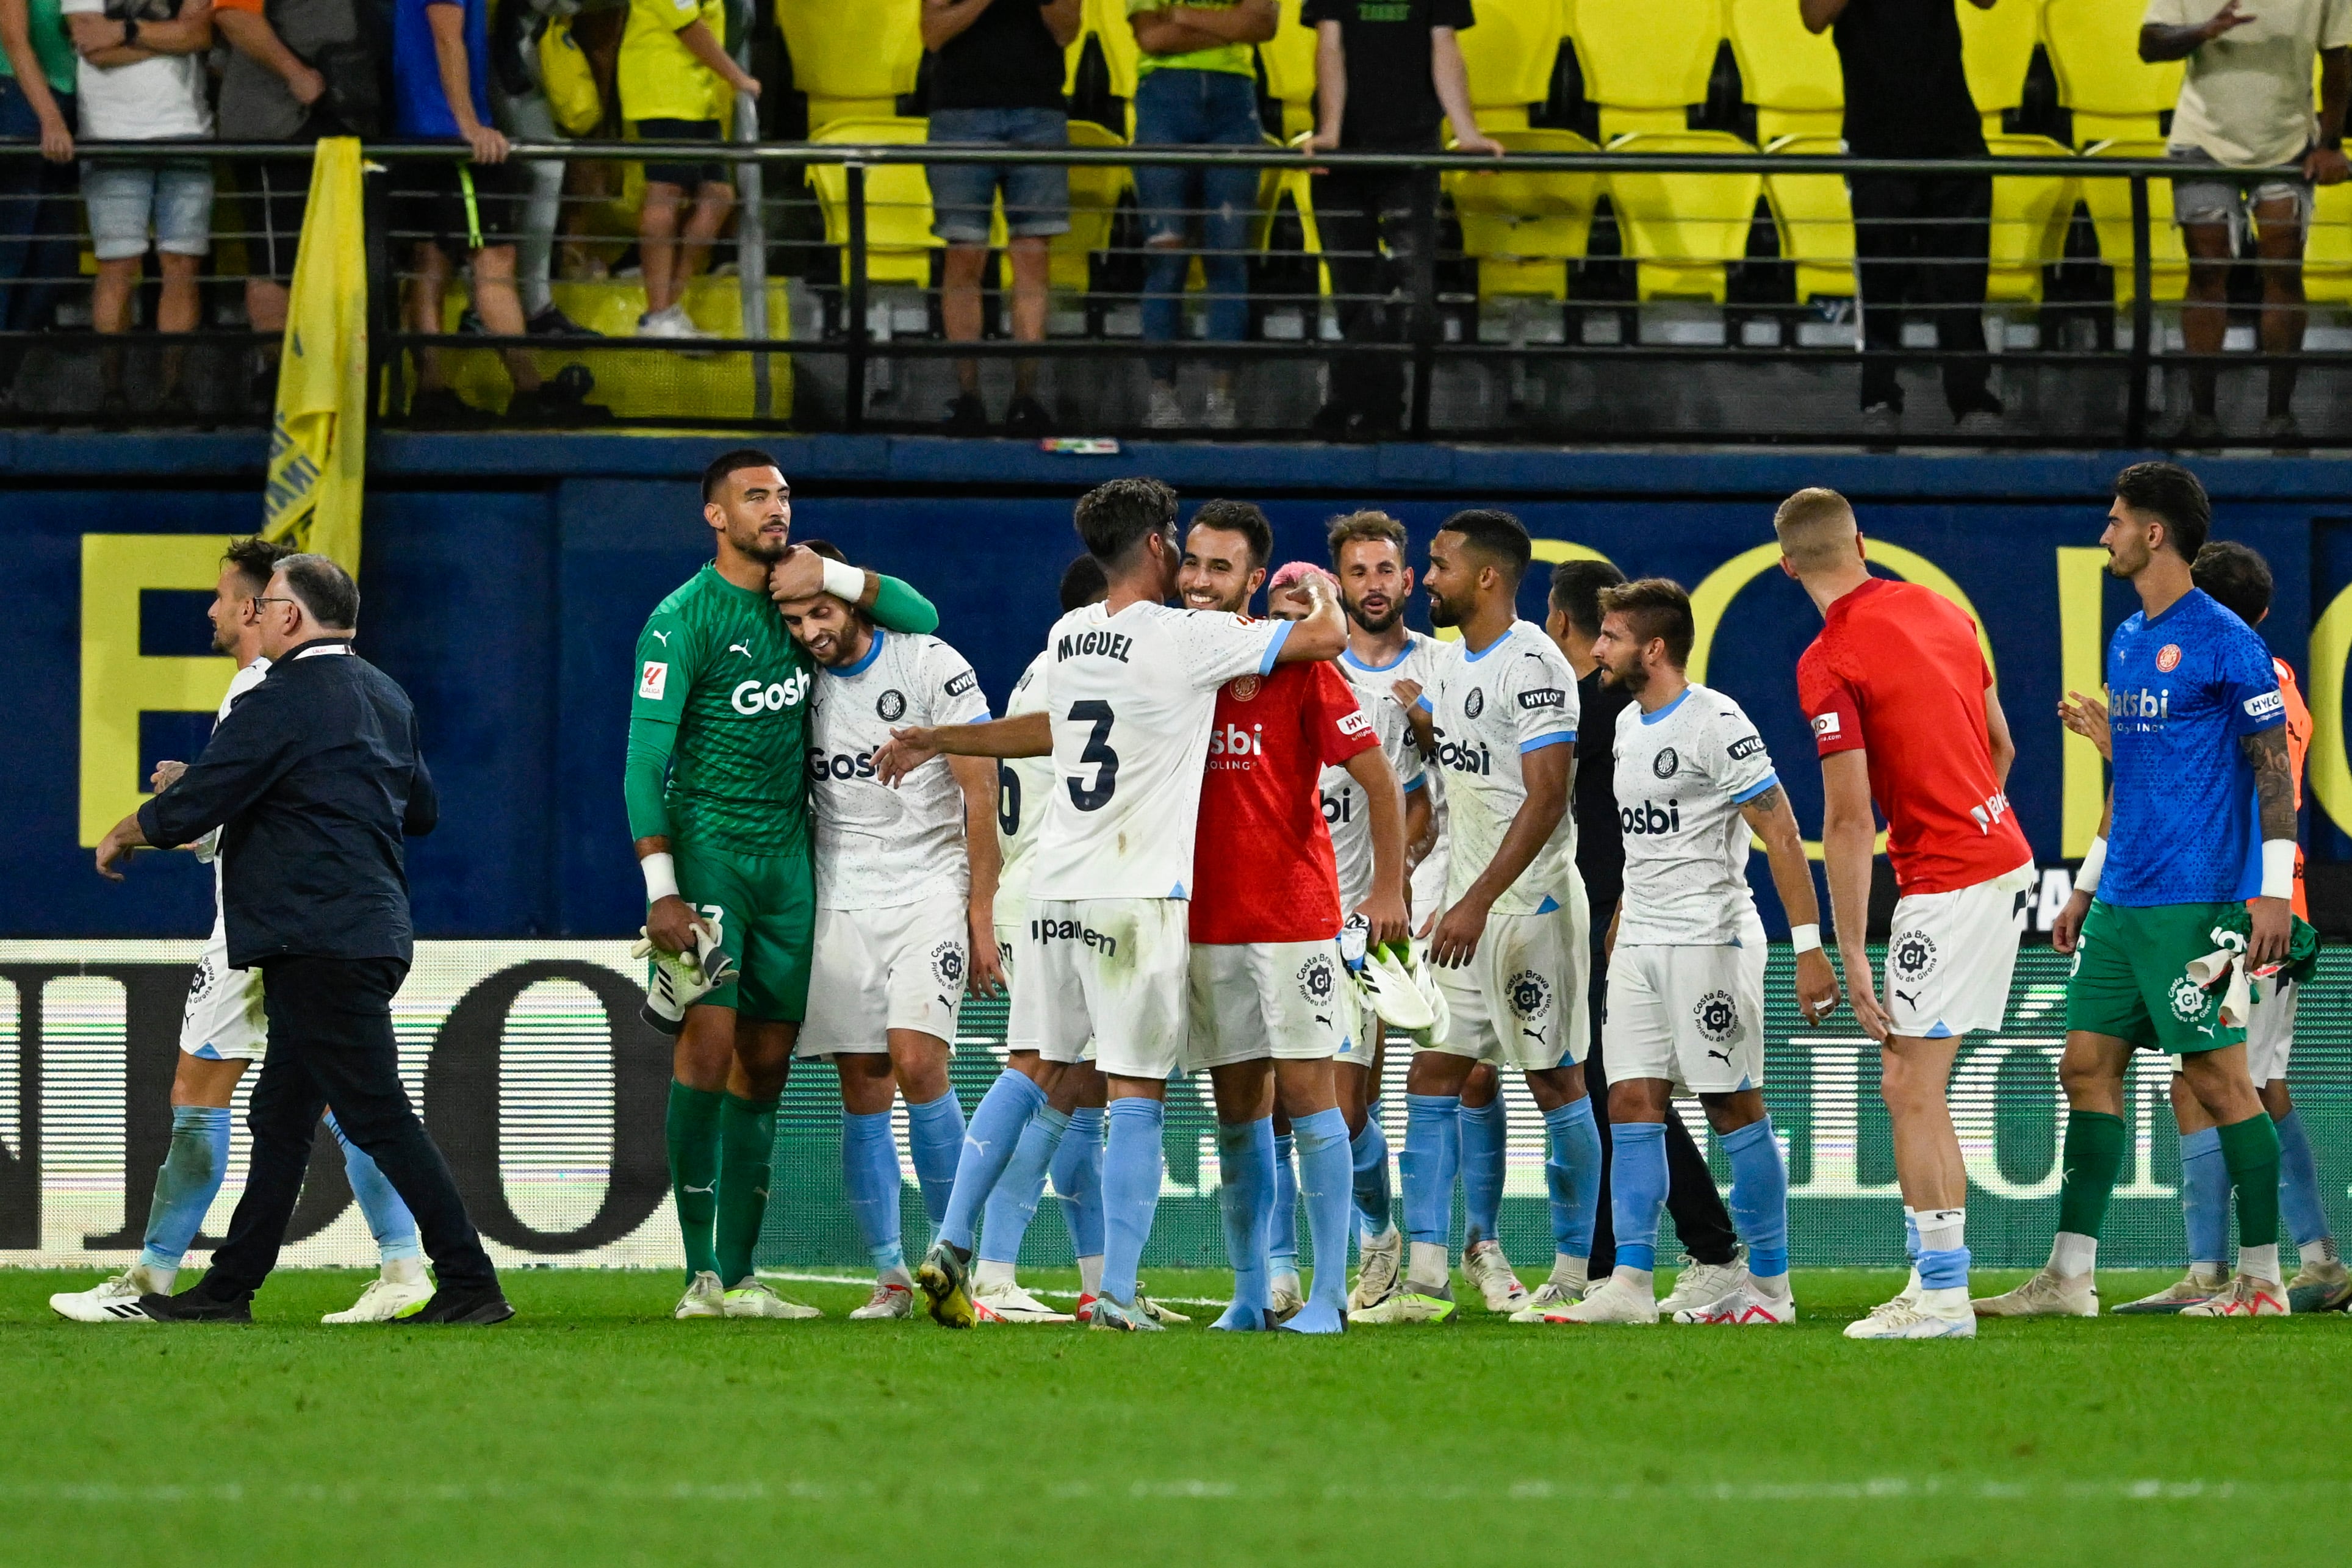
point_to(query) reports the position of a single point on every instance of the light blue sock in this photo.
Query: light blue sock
(189, 1177)
(2299, 1200)
(1326, 1176)
(1573, 1174)
(1013, 1204)
(2205, 1196)
(1370, 1151)
(1943, 1268)
(1760, 1199)
(1282, 1228)
(1637, 1191)
(388, 1219)
(1485, 1131)
(1078, 1181)
(988, 1146)
(935, 1141)
(870, 1174)
(1131, 1169)
(1245, 1202)
(1433, 1154)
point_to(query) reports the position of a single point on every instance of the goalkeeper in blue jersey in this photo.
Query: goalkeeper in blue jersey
(2200, 823)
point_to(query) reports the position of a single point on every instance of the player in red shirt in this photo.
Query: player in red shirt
(1904, 715)
(1267, 1019)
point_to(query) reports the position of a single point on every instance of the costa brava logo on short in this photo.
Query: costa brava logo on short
(946, 964)
(1530, 994)
(1315, 980)
(1912, 956)
(755, 696)
(2190, 1000)
(1717, 1016)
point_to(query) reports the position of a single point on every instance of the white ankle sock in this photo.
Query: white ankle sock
(990, 1272)
(1566, 1270)
(1941, 1230)
(2074, 1256)
(2259, 1262)
(1641, 1279)
(1775, 1286)
(404, 1271)
(1090, 1275)
(1429, 1263)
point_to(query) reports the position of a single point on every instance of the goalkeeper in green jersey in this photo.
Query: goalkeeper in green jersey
(717, 783)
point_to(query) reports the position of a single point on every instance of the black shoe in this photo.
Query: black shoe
(552, 322)
(193, 1306)
(1339, 422)
(967, 415)
(440, 405)
(470, 323)
(453, 1306)
(1027, 419)
(562, 400)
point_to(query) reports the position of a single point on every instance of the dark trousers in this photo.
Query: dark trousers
(1359, 215)
(330, 1043)
(1923, 242)
(1699, 1218)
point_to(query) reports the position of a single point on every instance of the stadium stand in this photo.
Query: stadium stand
(854, 59)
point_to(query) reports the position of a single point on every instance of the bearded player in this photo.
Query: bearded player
(717, 786)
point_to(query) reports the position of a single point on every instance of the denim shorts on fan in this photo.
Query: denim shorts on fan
(2217, 194)
(1036, 195)
(176, 194)
(685, 176)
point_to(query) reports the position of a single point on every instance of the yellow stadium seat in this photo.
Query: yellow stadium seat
(1790, 75)
(1644, 61)
(2030, 215)
(2094, 51)
(898, 239)
(2110, 203)
(2327, 249)
(1995, 51)
(1105, 20)
(1288, 61)
(1291, 180)
(1683, 228)
(1815, 220)
(1524, 227)
(853, 58)
(1509, 57)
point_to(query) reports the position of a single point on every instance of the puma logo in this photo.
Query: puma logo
(664, 636)
(743, 649)
(1535, 1035)
(1906, 998)
(1723, 1056)
(1322, 1020)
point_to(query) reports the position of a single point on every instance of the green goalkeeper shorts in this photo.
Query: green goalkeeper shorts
(763, 911)
(2131, 980)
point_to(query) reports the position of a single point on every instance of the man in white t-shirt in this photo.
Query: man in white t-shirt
(1130, 696)
(1685, 1001)
(2244, 110)
(906, 891)
(141, 79)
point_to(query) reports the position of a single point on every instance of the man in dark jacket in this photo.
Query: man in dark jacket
(315, 778)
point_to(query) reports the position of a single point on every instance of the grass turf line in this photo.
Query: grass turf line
(595, 1430)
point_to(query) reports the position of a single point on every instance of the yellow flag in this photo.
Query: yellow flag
(318, 443)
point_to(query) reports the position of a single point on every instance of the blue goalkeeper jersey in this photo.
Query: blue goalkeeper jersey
(2182, 690)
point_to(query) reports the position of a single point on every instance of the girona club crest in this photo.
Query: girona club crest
(1244, 687)
(2167, 657)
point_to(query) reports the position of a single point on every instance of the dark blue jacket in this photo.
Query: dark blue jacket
(314, 779)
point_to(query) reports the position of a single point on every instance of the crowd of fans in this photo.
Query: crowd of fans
(1389, 77)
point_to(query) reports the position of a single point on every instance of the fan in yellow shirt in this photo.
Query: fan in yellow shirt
(678, 84)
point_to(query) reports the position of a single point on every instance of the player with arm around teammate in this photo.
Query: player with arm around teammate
(1687, 965)
(905, 890)
(1904, 714)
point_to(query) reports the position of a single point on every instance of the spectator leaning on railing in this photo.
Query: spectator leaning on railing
(142, 79)
(1197, 87)
(1386, 73)
(996, 79)
(676, 80)
(2244, 110)
(37, 66)
(1918, 239)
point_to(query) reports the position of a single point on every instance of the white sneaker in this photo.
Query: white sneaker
(383, 1300)
(1491, 1271)
(1610, 1301)
(1165, 410)
(1698, 1283)
(2049, 1294)
(752, 1298)
(1220, 412)
(2246, 1296)
(889, 1301)
(705, 1297)
(1903, 1319)
(2192, 1289)
(1550, 1296)
(1006, 1302)
(674, 324)
(114, 1300)
(1383, 1265)
(1743, 1306)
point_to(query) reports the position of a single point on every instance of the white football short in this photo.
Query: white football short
(2270, 1029)
(1104, 980)
(1950, 957)
(1008, 942)
(223, 1020)
(1521, 1001)
(1251, 1001)
(872, 970)
(1692, 1015)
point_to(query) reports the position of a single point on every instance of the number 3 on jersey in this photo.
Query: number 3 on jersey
(1097, 751)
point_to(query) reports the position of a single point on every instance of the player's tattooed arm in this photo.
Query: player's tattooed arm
(1023, 735)
(1769, 815)
(2273, 780)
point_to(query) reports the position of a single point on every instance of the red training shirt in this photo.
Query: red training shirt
(1262, 863)
(1897, 669)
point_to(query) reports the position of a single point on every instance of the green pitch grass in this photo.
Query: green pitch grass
(594, 1430)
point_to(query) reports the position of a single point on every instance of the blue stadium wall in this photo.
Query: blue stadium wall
(505, 579)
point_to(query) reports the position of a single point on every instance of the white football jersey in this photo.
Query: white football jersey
(878, 847)
(1344, 810)
(1487, 709)
(207, 848)
(1682, 776)
(1023, 784)
(1419, 663)
(1132, 698)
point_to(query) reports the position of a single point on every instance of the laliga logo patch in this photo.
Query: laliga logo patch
(1476, 703)
(2167, 657)
(1316, 981)
(1717, 1016)
(1530, 994)
(1664, 763)
(946, 964)
(2190, 1000)
(892, 705)
(1243, 688)
(1913, 957)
